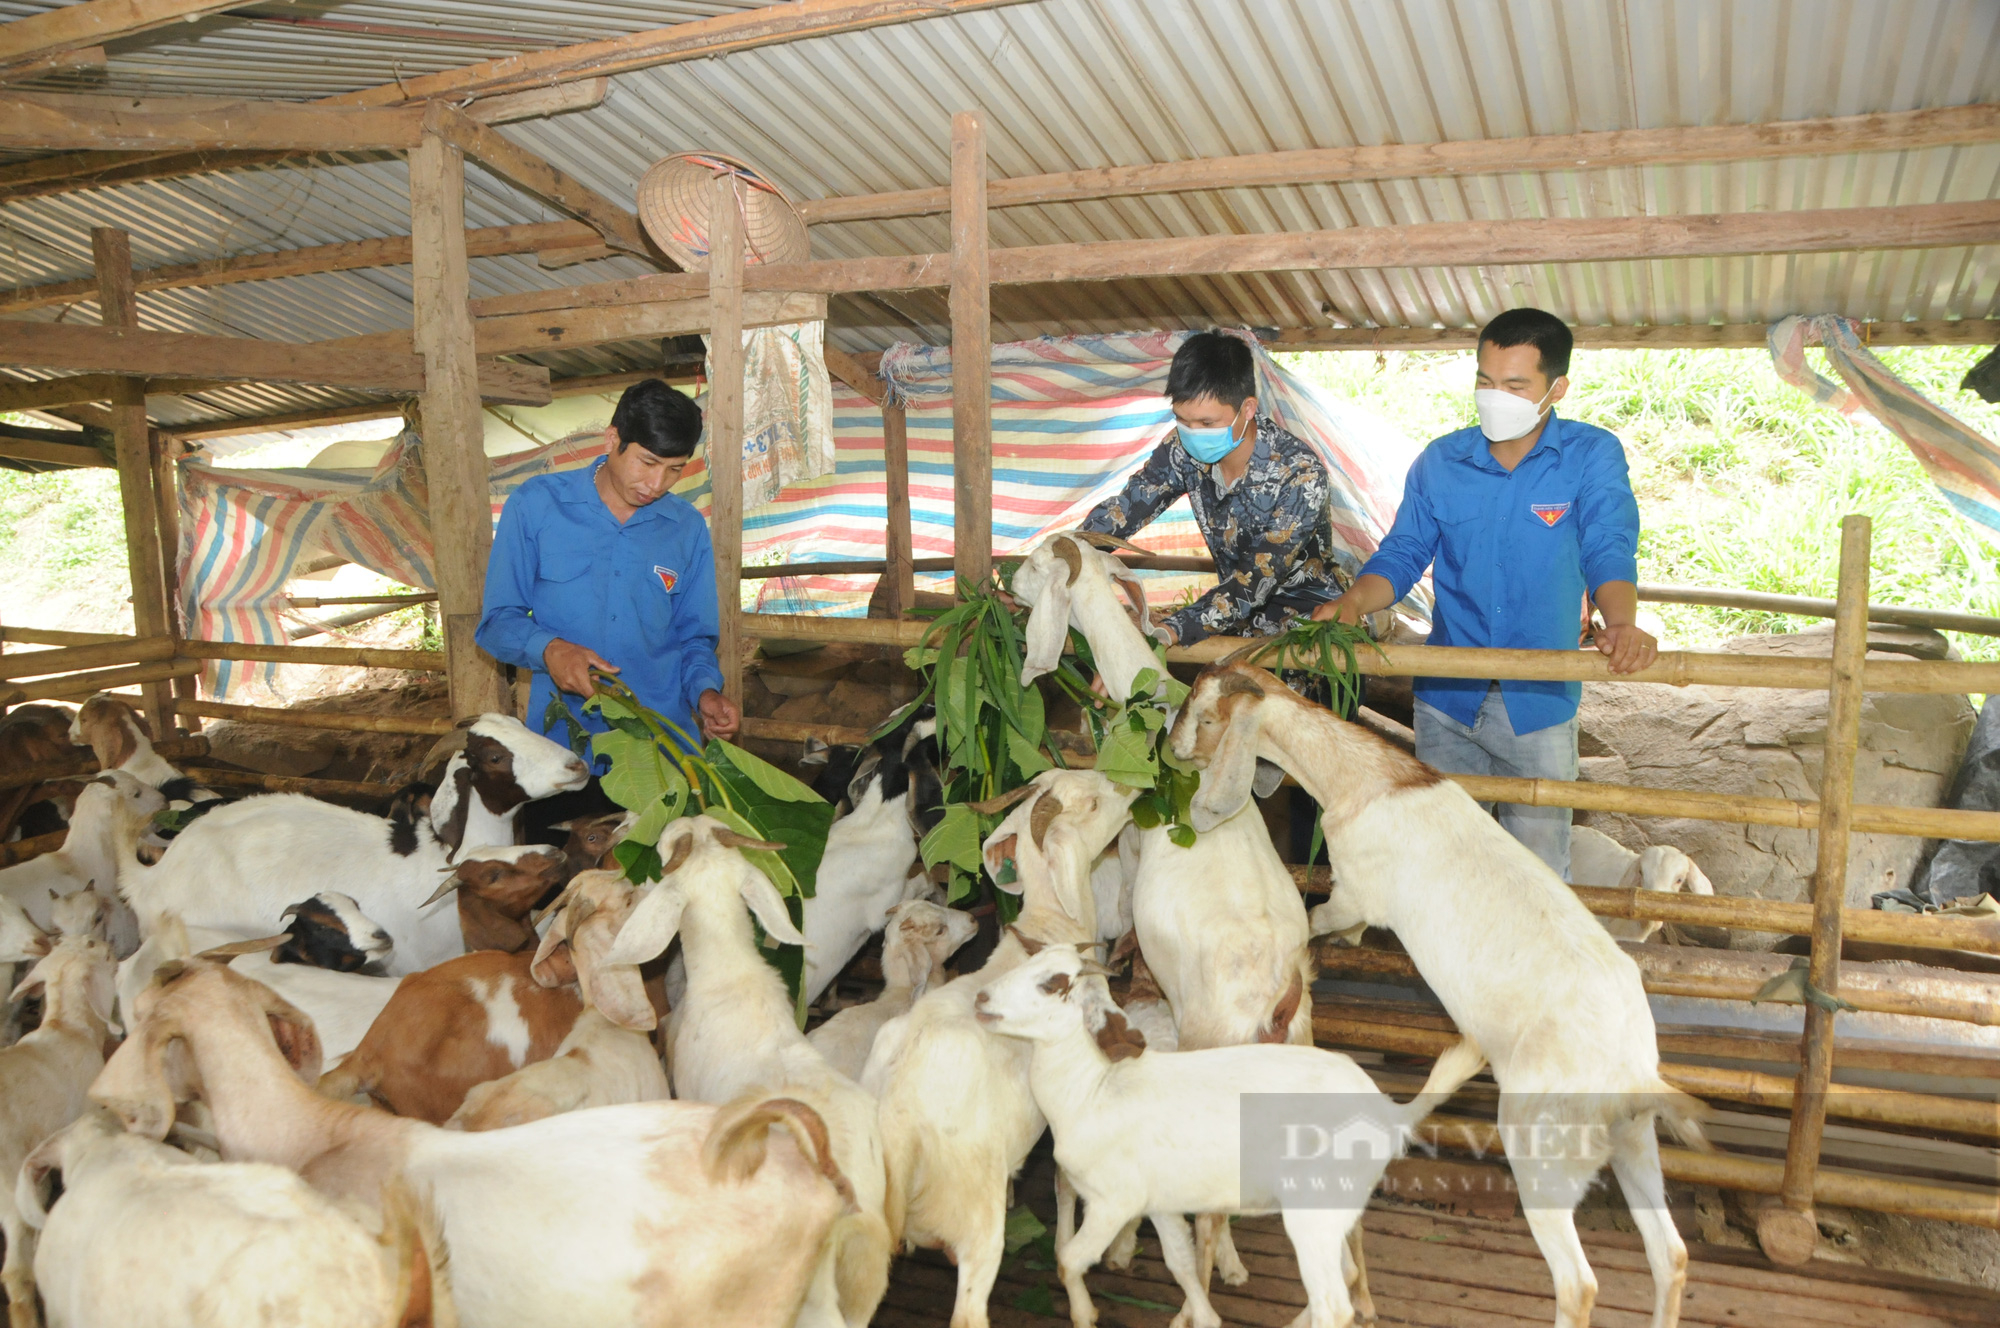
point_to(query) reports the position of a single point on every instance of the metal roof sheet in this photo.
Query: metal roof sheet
(1069, 84)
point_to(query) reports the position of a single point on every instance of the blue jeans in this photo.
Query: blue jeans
(1491, 747)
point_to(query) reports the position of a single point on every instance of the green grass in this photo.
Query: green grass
(1742, 479)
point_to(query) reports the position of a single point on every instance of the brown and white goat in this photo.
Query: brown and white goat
(498, 888)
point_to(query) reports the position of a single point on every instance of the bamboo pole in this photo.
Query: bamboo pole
(78, 686)
(335, 601)
(900, 566)
(1788, 1233)
(84, 766)
(314, 719)
(167, 493)
(39, 636)
(725, 424)
(320, 788)
(24, 850)
(73, 659)
(1803, 607)
(365, 657)
(971, 354)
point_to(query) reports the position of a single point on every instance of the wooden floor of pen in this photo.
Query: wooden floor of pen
(1441, 1271)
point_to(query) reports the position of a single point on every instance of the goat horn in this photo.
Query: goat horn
(234, 948)
(1072, 557)
(678, 856)
(1046, 810)
(291, 911)
(1243, 654)
(1001, 802)
(451, 883)
(1104, 540)
(730, 839)
(1235, 684)
(1092, 969)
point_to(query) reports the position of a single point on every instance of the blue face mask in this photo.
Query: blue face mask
(1209, 446)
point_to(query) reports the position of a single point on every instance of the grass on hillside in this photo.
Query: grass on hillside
(1742, 479)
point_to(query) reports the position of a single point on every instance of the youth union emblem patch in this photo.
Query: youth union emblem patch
(1550, 513)
(669, 578)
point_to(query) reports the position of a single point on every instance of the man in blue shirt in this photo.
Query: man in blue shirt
(603, 568)
(1519, 518)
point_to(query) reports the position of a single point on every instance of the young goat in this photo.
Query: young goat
(144, 1234)
(30, 735)
(235, 868)
(43, 1081)
(112, 814)
(497, 889)
(468, 1021)
(1596, 858)
(1158, 1135)
(918, 938)
(652, 1215)
(1519, 964)
(734, 1033)
(957, 1118)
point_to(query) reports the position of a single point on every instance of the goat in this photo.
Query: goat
(469, 1020)
(1519, 964)
(1596, 858)
(734, 1033)
(111, 816)
(1221, 922)
(43, 1081)
(20, 941)
(120, 739)
(650, 1215)
(146, 1234)
(918, 938)
(591, 839)
(1158, 1135)
(956, 1116)
(235, 868)
(598, 1064)
(30, 735)
(497, 889)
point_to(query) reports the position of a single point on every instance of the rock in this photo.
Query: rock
(1817, 643)
(1764, 742)
(858, 705)
(1964, 868)
(808, 709)
(270, 749)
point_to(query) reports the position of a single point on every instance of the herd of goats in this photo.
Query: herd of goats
(299, 1064)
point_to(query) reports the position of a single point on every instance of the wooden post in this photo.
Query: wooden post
(725, 424)
(900, 551)
(119, 306)
(461, 509)
(971, 354)
(1789, 1232)
(167, 495)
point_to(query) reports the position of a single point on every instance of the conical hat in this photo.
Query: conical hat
(674, 198)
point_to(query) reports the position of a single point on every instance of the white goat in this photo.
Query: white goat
(1596, 858)
(115, 735)
(234, 869)
(734, 1033)
(1221, 922)
(112, 814)
(652, 1215)
(145, 1234)
(1517, 961)
(1160, 1134)
(20, 940)
(918, 938)
(957, 1117)
(43, 1081)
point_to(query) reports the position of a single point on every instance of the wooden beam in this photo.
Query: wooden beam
(856, 375)
(84, 57)
(77, 389)
(699, 39)
(971, 355)
(461, 510)
(55, 454)
(725, 424)
(539, 103)
(132, 438)
(594, 327)
(523, 169)
(1901, 131)
(61, 122)
(900, 562)
(329, 363)
(1917, 332)
(70, 27)
(388, 251)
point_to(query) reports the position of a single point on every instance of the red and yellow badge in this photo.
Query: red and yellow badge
(669, 578)
(1550, 513)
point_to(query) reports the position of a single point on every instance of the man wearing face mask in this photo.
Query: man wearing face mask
(1259, 495)
(1519, 518)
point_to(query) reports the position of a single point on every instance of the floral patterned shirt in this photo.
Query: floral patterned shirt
(1271, 532)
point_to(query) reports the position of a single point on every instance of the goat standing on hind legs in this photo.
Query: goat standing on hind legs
(1519, 964)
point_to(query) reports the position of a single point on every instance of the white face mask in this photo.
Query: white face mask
(1503, 417)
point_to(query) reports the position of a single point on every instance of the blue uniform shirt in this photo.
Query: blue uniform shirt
(641, 594)
(1513, 554)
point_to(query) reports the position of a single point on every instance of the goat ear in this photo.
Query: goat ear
(292, 1029)
(1269, 776)
(553, 964)
(650, 929)
(102, 992)
(32, 1192)
(1135, 592)
(620, 996)
(1229, 780)
(1048, 631)
(134, 1083)
(768, 907)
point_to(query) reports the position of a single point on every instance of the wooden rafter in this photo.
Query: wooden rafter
(61, 122)
(569, 328)
(72, 27)
(532, 174)
(80, 388)
(1921, 332)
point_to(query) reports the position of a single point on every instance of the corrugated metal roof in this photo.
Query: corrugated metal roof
(1069, 84)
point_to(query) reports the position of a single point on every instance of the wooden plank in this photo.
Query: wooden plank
(519, 334)
(461, 505)
(1789, 1234)
(83, 57)
(77, 389)
(367, 367)
(540, 102)
(60, 122)
(69, 27)
(901, 564)
(697, 39)
(1902, 131)
(971, 355)
(725, 423)
(1914, 332)
(59, 454)
(347, 256)
(527, 171)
